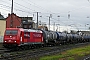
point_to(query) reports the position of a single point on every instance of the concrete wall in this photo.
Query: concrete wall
(14, 22)
(2, 27)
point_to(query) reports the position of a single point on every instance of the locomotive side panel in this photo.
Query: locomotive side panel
(36, 37)
(33, 37)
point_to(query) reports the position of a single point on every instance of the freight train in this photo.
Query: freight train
(19, 37)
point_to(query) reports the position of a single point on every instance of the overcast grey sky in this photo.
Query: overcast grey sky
(79, 11)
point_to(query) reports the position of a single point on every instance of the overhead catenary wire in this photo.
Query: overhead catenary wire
(18, 6)
(14, 8)
(24, 6)
(35, 5)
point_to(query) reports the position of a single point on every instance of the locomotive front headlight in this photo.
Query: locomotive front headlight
(14, 41)
(5, 41)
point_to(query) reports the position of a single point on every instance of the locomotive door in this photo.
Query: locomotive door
(26, 37)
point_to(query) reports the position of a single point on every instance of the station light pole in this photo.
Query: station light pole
(49, 20)
(58, 22)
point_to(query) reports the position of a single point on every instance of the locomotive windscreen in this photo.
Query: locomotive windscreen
(11, 32)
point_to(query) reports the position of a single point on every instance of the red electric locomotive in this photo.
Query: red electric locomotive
(14, 37)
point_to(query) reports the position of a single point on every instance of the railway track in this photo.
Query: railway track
(36, 53)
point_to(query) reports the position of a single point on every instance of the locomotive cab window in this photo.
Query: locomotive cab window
(11, 32)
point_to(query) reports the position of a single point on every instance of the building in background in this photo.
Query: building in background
(2, 25)
(42, 26)
(27, 22)
(13, 21)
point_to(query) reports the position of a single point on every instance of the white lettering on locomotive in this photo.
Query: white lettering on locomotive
(37, 35)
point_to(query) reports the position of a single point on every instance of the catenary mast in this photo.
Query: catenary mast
(11, 21)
